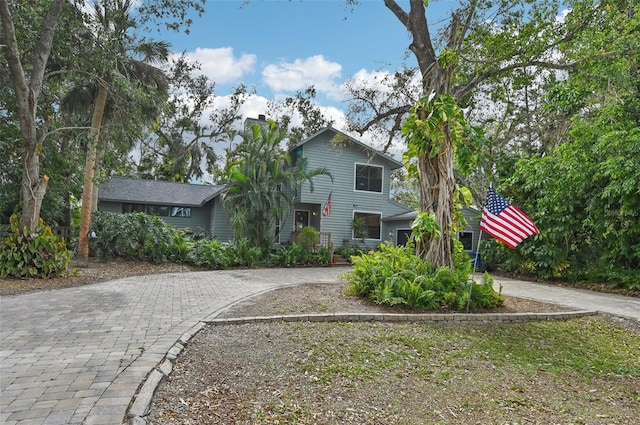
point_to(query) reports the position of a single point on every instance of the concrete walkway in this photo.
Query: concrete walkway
(579, 299)
(78, 355)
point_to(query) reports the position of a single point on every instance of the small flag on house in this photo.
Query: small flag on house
(327, 207)
(505, 222)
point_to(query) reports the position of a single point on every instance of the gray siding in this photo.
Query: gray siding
(220, 228)
(341, 160)
(198, 222)
(393, 227)
(113, 207)
(473, 225)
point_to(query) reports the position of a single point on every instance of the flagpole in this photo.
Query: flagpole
(475, 262)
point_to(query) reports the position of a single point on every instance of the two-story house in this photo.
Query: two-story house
(360, 189)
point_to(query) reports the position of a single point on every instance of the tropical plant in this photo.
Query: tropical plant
(38, 253)
(262, 180)
(507, 48)
(308, 238)
(397, 276)
(31, 34)
(180, 145)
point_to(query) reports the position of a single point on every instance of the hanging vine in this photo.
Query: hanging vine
(434, 127)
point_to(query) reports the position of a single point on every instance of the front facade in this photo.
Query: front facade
(360, 190)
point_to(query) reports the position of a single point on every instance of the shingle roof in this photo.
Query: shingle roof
(409, 215)
(119, 189)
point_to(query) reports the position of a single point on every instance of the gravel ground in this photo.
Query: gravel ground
(268, 373)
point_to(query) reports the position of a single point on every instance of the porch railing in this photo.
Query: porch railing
(324, 240)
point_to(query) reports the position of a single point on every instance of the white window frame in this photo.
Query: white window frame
(379, 213)
(355, 177)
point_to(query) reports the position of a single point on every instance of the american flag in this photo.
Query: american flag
(327, 207)
(505, 222)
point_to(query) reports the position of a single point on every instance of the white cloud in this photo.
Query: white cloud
(221, 66)
(302, 73)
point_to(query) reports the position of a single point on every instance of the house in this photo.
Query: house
(360, 189)
(191, 207)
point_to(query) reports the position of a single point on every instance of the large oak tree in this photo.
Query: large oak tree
(485, 41)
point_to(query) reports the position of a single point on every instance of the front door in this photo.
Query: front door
(302, 219)
(402, 236)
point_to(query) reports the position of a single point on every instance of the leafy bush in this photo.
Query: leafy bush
(37, 254)
(396, 276)
(308, 238)
(135, 236)
(143, 237)
(241, 253)
(297, 255)
(209, 253)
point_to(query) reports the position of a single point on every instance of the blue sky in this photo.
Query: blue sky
(282, 47)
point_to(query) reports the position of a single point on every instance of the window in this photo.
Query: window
(277, 231)
(467, 240)
(129, 208)
(368, 178)
(158, 210)
(370, 223)
(184, 212)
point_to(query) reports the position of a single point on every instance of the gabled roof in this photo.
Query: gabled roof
(138, 191)
(369, 149)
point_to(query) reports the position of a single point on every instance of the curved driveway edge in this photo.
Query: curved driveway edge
(579, 299)
(78, 355)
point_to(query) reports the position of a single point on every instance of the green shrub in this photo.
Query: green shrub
(396, 276)
(241, 253)
(296, 255)
(308, 238)
(209, 253)
(38, 254)
(134, 236)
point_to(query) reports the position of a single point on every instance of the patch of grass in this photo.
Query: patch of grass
(576, 369)
(591, 348)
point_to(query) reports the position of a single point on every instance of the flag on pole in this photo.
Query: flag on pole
(505, 222)
(327, 207)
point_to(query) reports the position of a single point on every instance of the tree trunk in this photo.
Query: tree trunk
(437, 183)
(33, 186)
(437, 197)
(89, 173)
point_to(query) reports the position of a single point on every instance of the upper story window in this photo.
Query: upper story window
(368, 178)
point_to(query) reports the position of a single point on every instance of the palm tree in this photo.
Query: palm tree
(113, 23)
(262, 183)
